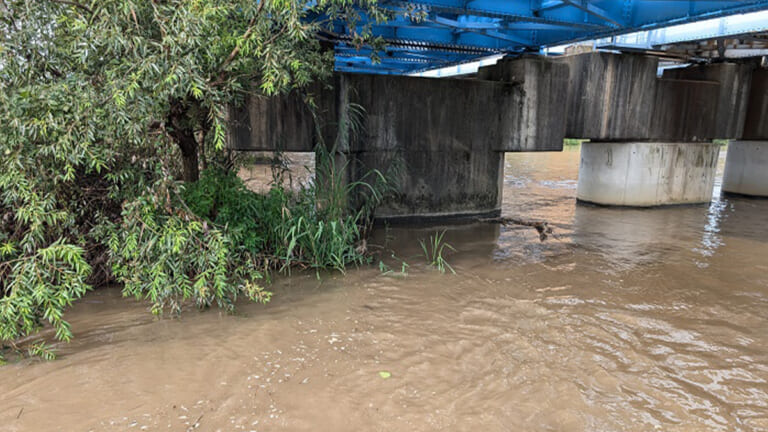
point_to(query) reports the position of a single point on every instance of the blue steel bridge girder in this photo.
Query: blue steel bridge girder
(405, 54)
(471, 28)
(407, 58)
(436, 33)
(587, 7)
(364, 64)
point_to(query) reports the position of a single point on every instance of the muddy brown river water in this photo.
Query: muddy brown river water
(632, 320)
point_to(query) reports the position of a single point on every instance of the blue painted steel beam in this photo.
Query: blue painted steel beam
(386, 66)
(507, 9)
(595, 11)
(403, 61)
(405, 57)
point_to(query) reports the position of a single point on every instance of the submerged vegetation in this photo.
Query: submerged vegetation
(113, 165)
(434, 251)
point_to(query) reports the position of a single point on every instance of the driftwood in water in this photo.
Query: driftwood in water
(542, 227)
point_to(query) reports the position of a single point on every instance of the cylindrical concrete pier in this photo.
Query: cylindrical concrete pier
(746, 168)
(647, 174)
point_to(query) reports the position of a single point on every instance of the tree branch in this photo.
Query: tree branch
(232, 55)
(542, 227)
(75, 4)
(236, 50)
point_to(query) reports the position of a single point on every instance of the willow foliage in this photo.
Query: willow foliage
(104, 105)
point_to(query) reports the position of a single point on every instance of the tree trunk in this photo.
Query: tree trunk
(183, 133)
(189, 159)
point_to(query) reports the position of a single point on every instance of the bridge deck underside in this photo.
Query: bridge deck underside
(428, 34)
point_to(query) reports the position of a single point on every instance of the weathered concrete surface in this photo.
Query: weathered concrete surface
(684, 110)
(540, 125)
(282, 123)
(610, 96)
(445, 136)
(440, 134)
(615, 97)
(523, 108)
(731, 103)
(756, 123)
(646, 174)
(746, 168)
(400, 112)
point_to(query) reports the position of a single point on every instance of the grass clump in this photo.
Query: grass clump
(283, 228)
(434, 250)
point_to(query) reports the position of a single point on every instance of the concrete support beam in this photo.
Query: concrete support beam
(746, 168)
(441, 140)
(610, 96)
(734, 81)
(436, 138)
(756, 123)
(539, 125)
(647, 174)
(447, 137)
(617, 97)
(684, 110)
(282, 123)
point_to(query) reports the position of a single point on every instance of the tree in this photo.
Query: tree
(103, 102)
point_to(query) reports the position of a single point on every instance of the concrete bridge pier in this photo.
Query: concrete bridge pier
(443, 141)
(650, 138)
(440, 142)
(646, 174)
(433, 140)
(746, 166)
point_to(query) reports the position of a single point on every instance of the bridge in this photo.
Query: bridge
(650, 133)
(428, 34)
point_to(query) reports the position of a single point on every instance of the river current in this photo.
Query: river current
(628, 320)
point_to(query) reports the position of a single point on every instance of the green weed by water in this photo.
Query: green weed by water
(388, 271)
(434, 250)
